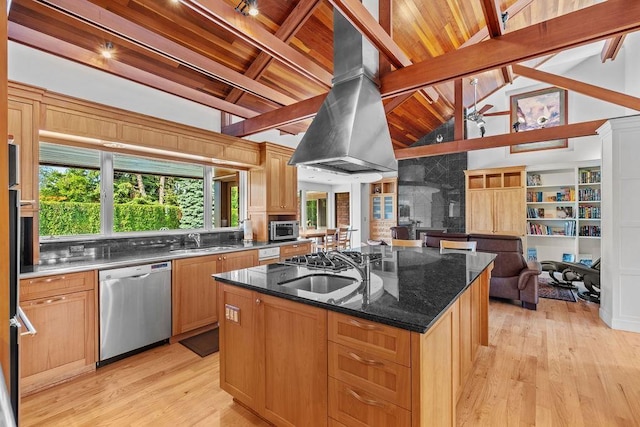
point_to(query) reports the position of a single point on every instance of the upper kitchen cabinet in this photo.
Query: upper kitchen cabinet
(495, 201)
(23, 124)
(274, 187)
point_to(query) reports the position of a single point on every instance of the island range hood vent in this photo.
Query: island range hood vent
(350, 134)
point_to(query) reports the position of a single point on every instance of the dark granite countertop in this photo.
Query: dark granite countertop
(410, 287)
(124, 259)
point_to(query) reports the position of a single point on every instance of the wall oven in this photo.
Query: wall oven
(283, 230)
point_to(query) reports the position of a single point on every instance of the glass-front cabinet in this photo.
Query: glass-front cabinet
(383, 198)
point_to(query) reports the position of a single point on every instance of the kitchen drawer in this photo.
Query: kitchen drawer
(352, 406)
(384, 379)
(43, 287)
(287, 251)
(377, 339)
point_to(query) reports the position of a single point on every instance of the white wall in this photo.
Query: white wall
(36, 68)
(612, 75)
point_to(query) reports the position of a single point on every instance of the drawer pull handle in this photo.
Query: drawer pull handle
(51, 300)
(370, 362)
(49, 280)
(369, 402)
(363, 326)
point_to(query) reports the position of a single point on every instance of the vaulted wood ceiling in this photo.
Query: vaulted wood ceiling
(275, 69)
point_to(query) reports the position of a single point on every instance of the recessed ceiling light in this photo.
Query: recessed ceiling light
(107, 50)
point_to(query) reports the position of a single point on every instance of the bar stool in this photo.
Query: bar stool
(330, 242)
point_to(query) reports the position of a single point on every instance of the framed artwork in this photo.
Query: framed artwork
(536, 110)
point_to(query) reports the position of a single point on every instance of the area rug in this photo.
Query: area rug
(202, 344)
(546, 290)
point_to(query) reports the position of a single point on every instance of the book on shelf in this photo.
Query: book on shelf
(585, 259)
(532, 254)
(567, 257)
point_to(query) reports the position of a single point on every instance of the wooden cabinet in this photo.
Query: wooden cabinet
(23, 125)
(495, 201)
(274, 187)
(369, 373)
(62, 309)
(194, 295)
(288, 251)
(274, 356)
(383, 207)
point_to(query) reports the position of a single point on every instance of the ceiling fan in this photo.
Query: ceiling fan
(476, 115)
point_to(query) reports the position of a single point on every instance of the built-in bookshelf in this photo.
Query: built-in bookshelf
(563, 213)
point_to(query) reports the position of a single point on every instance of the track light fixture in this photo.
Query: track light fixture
(248, 7)
(504, 17)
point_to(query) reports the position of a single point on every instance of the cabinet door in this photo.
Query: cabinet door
(389, 207)
(282, 184)
(294, 364)
(65, 343)
(238, 260)
(194, 293)
(480, 211)
(376, 207)
(238, 344)
(509, 208)
(290, 187)
(21, 126)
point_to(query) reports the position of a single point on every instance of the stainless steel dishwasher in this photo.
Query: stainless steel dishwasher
(135, 309)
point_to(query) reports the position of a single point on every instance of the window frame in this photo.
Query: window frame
(107, 199)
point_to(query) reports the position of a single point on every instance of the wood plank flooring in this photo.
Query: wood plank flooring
(557, 366)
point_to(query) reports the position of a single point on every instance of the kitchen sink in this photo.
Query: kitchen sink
(319, 283)
(200, 250)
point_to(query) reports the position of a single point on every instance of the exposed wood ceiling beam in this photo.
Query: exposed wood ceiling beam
(276, 118)
(547, 134)
(298, 16)
(110, 22)
(458, 113)
(551, 36)
(612, 47)
(580, 87)
(41, 41)
(513, 10)
(507, 74)
(253, 33)
(492, 15)
(605, 20)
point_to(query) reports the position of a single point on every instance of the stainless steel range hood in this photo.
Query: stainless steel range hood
(350, 133)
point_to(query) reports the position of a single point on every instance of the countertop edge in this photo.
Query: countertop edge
(67, 268)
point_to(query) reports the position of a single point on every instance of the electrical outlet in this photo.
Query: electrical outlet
(232, 313)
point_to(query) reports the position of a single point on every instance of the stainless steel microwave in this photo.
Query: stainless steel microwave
(283, 230)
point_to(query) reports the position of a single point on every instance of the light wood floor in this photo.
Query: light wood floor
(557, 366)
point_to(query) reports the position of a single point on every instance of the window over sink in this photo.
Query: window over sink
(86, 191)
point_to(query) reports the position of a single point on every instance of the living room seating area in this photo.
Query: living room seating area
(512, 276)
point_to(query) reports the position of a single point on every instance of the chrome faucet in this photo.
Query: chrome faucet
(363, 268)
(195, 237)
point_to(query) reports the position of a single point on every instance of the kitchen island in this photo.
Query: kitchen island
(393, 350)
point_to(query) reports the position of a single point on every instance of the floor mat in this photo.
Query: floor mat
(202, 344)
(546, 290)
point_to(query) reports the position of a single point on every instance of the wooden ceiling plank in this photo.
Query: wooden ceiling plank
(276, 118)
(120, 27)
(253, 33)
(27, 36)
(612, 47)
(597, 92)
(296, 19)
(606, 19)
(574, 130)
